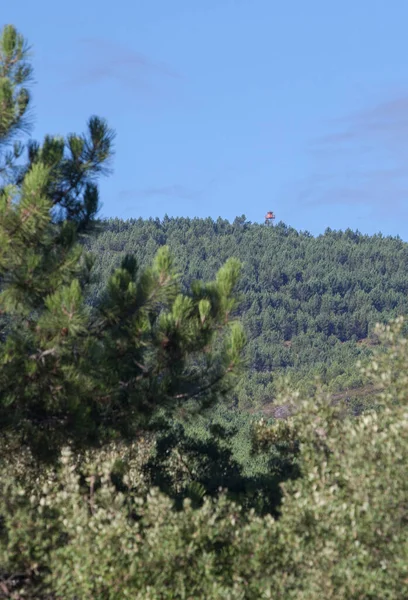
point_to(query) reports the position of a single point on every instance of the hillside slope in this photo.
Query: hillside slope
(309, 304)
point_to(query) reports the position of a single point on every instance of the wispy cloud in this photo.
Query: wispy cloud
(103, 60)
(363, 160)
(386, 122)
(167, 191)
(176, 191)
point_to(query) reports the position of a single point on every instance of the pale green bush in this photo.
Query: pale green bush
(342, 533)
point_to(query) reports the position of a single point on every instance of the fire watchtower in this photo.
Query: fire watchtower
(269, 218)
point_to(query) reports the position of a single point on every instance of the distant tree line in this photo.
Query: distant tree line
(309, 305)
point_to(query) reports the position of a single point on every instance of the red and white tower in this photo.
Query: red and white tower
(269, 218)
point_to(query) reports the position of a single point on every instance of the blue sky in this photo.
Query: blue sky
(230, 107)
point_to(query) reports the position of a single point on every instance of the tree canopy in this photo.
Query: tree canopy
(73, 374)
(309, 305)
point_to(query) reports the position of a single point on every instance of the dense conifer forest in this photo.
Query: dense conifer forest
(309, 305)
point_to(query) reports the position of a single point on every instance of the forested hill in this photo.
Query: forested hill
(309, 304)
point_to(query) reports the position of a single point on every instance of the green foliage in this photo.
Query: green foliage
(214, 451)
(15, 73)
(71, 374)
(83, 531)
(308, 305)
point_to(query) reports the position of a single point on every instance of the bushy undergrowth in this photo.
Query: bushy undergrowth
(81, 532)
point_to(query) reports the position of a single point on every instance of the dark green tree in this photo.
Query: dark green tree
(69, 373)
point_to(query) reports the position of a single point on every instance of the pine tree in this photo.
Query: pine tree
(69, 373)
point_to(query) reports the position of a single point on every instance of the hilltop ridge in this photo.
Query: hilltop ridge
(309, 304)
